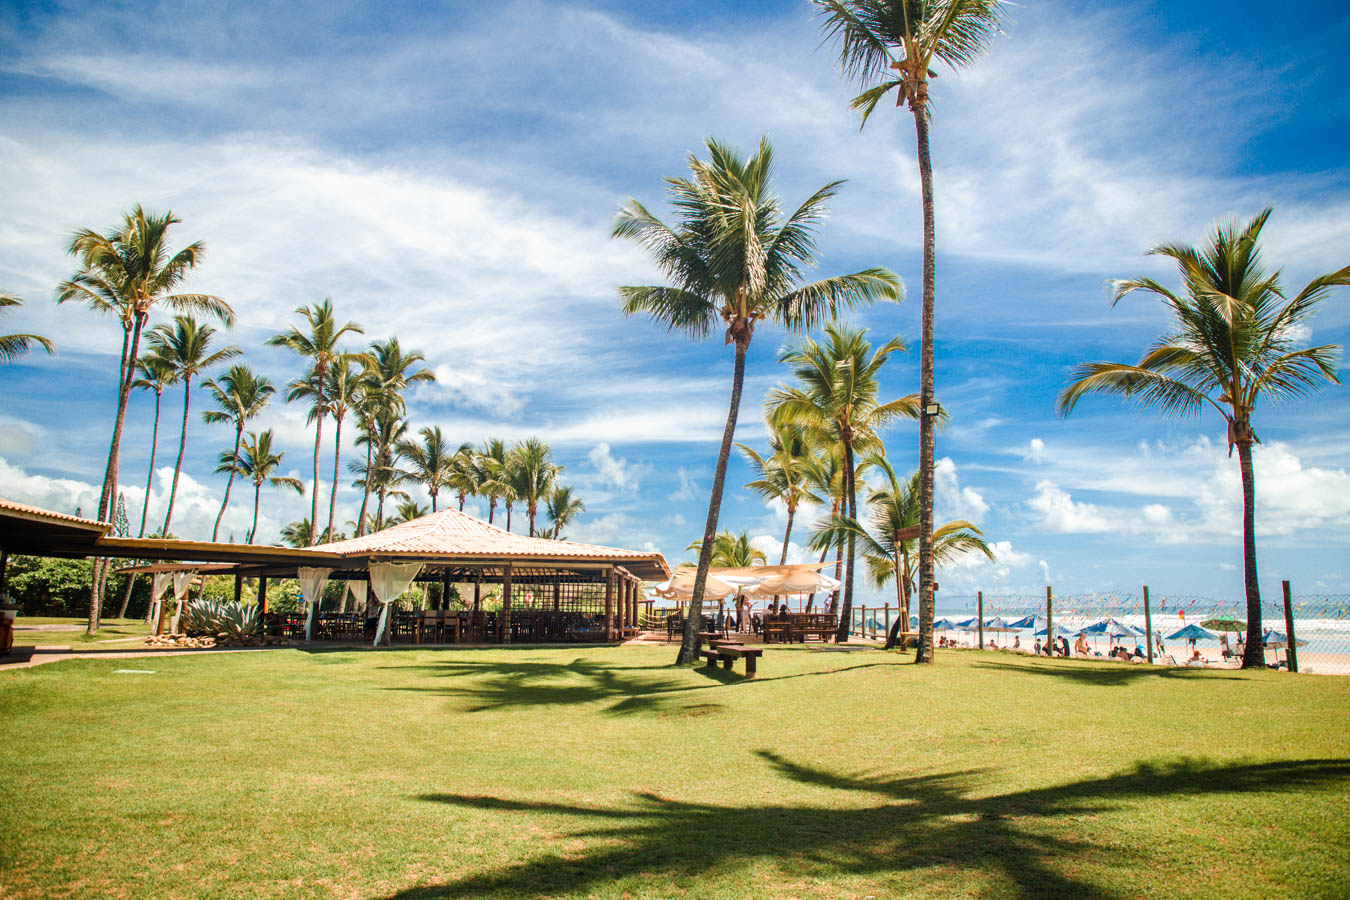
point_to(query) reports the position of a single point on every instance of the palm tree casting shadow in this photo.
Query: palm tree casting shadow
(913, 823)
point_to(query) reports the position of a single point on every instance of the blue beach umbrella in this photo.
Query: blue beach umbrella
(944, 625)
(1278, 640)
(1029, 622)
(1192, 633)
(966, 623)
(1111, 627)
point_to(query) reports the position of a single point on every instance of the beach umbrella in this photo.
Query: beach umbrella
(1029, 622)
(940, 624)
(1224, 623)
(966, 623)
(1278, 640)
(1111, 627)
(1192, 633)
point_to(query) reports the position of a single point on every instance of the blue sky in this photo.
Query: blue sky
(447, 173)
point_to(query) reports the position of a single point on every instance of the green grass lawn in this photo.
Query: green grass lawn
(78, 640)
(604, 772)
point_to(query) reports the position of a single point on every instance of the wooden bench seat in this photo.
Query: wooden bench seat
(729, 652)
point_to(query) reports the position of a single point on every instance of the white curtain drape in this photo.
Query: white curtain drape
(387, 582)
(312, 582)
(159, 584)
(181, 582)
(358, 589)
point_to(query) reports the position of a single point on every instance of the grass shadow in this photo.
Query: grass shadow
(496, 684)
(1108, 674)
(899, 825)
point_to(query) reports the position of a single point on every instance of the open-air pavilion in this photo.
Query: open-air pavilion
(549, 590)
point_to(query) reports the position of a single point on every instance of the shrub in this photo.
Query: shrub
(216, 617)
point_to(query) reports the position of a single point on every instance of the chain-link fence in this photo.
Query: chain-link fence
(1178, 629)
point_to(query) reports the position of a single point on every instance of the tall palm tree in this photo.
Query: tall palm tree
(240, 395)
(563, 509)
(890, 545)
(1233, 340)
(342, 393)
(836, 400)
(429, 463)
(463, 474)
(257, 461)
(318, 344)
(299, 533)
(12, 346)
(732, 551)
(825, 474)
(186, 345)
(389, 372)
(153, 373)
(533, 474)
(493, 483)
(893, 45)
(736, 257)
(128, 273)
(785, 474)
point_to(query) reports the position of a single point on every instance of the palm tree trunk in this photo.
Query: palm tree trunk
(253, 532)
(314, 491)
(150, 476)
(850, 499)
(379, 510)
(433, 500)
(461, 501)
(337, 455)
(1254, 656)
(918, 104)
(787, 533)
(508, 517)
(234, 464)
(689, 644)
(532, 509)
(182, 445)
(365, 495)
(492, 508)
(126, 596)
(124, 376)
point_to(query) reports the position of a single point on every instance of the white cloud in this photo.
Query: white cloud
(955, 501)
(772, 548)
(615, 471)
(687, 488)
(1035, 450)
(1060, 513)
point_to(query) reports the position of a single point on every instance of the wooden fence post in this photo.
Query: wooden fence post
(1049, 618)
(609, 605)
(1148, 626)
(979, 617)
(1290, 652)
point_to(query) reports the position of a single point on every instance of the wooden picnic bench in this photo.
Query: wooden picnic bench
(820, 625)
(728, 652)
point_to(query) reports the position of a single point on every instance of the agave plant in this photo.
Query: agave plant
(217, 617)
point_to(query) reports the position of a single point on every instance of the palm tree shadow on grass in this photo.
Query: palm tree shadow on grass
(504, 684)
(1014, 842)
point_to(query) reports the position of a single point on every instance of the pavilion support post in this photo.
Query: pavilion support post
(445, 590)
(506, 604)
(557, 595)
(622, 601)
(609, 604)
(4, 570)
(238, 588)
(478, 591)
(632, 604)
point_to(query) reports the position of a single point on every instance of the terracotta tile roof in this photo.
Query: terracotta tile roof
(38, 513)
(452, 532)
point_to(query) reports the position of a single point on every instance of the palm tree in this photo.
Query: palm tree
(319, 345)
(786, 474)
(837, 402)
(825, 474)
(154, 373)
(732, 551)
(240, 395)
(12, 346)
(1233, 340)
(890, 45)
(127, 273)
(563, 509)
(491, 465)
(735, 258)
(533, 474)
(430, 465)
(298, 534)
(463, 474)
(407, 511)
(889, 546)
(342, 393)
(257, 461)
(389, 372)
(186, 345)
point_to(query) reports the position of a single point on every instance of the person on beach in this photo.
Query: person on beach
(1017, 642)
(1036, 648)
(1080, 646)
(1064, 647)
